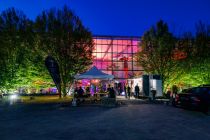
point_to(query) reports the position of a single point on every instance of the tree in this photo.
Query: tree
(61, 34)
(182, 55)
(14, 39)
(199, 57)
(156, 53)
(21, 65)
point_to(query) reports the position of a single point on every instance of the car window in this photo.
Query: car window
(208, 90)
(197, 90)
(205, 89)
(188, 90)
(200, 90)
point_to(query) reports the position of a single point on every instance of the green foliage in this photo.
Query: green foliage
(198, 61)
(19, 67)
(13, 41)
(24, 46)
(61, 34)
(156, 55)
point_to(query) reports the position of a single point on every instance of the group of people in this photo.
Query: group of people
(128, 92)
(111, 91)
(79, 91)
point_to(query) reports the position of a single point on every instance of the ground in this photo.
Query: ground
(125, 122)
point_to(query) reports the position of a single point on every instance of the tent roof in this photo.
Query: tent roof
(94, 73)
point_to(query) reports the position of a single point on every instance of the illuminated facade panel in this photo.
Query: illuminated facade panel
(115, 55)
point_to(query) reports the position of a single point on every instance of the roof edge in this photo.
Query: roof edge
(116, 36)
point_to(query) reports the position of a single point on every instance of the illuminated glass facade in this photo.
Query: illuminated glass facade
(115, 55)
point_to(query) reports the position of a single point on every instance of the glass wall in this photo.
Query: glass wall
(115, 55)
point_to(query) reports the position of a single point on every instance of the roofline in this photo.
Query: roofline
(116, 36)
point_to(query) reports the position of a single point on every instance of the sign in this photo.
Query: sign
(53, 69)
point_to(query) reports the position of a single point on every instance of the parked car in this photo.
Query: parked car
(195, 98)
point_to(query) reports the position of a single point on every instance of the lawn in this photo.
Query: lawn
(39, 99)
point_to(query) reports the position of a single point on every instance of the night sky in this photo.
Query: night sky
(124, 17)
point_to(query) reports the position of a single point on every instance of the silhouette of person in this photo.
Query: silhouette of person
(112, 93)
(125, 90)
(129, 91)
(137, 91)
(80, 91)
(109, 89)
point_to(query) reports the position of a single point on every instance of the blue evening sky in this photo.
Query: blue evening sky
(124, 17)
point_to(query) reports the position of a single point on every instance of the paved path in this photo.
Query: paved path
(127, 122)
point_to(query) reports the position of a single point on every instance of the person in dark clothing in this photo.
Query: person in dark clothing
(125, 90)
(129, 91)
(174, 93)
(168, 94)
(112, 93)
(87, 89)
(109, 89)
(154, 92)
(80, 92)
(137, 91)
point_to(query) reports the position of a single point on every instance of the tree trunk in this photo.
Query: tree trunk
(63, 86)
(59, 90)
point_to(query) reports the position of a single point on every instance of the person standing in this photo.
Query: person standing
(109, 89)
(137, 91)
(125, 90)
(112, 93)
(174, 93)
(80, 92)
(129, 91)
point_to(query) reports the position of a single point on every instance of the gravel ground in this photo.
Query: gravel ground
(126, 122)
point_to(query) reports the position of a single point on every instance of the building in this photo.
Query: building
(116, 55)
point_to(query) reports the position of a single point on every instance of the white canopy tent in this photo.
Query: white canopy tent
(94, 73)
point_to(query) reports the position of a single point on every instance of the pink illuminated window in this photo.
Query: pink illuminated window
(114, 55)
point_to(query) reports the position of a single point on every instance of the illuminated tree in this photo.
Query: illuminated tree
(157, 52)
(21, 65)
(61, 35)
(14, 39)
(198, 57)
(194, 59)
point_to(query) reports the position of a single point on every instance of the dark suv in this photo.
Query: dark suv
(196, 98)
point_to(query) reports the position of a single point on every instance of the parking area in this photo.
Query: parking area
(129, 122)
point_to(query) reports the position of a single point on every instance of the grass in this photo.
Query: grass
(43, 99)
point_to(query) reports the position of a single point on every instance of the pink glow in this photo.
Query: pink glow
(120, 47)
(109, 53)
